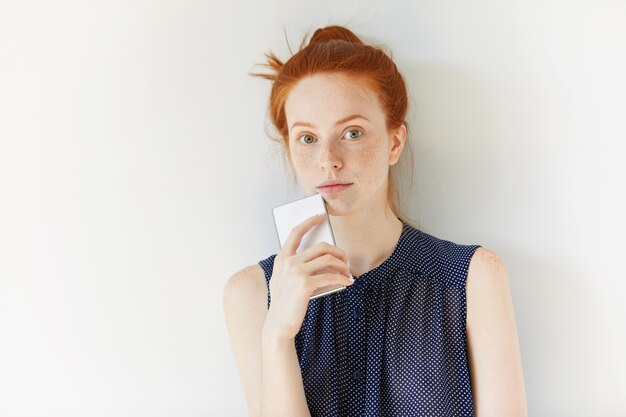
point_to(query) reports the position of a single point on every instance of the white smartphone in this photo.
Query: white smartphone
(287, 216)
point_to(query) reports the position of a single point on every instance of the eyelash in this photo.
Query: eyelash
(350, 130)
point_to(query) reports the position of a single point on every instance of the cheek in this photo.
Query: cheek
(302, 161)
(373, 155)
(301, 157)
(373, 161)
(369, 154)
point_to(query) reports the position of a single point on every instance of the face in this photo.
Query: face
(337, 131)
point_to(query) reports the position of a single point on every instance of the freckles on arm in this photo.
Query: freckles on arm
(493, 347)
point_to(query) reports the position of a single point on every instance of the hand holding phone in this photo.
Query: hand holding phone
(296, 278)
(287, 216)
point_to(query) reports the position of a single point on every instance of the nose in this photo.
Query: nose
(330, 158)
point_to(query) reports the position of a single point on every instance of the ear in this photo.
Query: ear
(397, 141)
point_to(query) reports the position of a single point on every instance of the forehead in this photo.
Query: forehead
(327, 97)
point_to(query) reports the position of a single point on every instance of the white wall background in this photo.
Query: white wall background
(135, 178)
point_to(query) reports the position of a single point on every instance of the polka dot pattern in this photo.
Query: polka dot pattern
(394, 343)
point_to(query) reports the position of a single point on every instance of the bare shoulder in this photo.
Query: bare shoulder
(487, 286)
(244, 300)
(245, 294)
(486, 259)
(247, 282)
(486, 270)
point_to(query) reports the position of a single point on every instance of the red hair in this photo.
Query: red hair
(337, 49)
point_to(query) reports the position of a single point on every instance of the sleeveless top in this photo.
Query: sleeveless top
(394, 342)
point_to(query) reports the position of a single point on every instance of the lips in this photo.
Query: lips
(332, 189)
(333, 183)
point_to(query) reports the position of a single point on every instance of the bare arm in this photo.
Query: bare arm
(245, 311)
(283, 390)
(278, 391)
(493, 348)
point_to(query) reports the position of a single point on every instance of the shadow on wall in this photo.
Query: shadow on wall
(453, 143)
(559, 336)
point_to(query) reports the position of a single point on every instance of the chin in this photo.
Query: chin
(337, 208)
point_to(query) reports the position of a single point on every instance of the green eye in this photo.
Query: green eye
(353, 134)
(306, 136)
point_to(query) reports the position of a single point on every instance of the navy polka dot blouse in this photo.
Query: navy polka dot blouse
(394, 342)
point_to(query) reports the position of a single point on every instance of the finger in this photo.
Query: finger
(295, 236)
(320, 249)
(326, 263)
(325, 280)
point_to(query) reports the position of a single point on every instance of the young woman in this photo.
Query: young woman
(426, 328)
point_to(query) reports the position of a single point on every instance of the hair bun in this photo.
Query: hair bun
(330, 33)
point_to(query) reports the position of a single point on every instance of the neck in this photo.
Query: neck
(355, 234)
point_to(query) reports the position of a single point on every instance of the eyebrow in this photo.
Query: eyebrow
(345, 119)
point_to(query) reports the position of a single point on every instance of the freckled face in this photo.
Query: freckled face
(325, 143)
